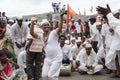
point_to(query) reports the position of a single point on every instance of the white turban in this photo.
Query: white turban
(19, 17)
(44, 21)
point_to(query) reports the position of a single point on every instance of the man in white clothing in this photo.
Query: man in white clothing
(79, 28)
(113, 57)
(19, 33)
(76, 48)
(88, 64)
(67, 56)
(93, 34)
(101, 51)
(53, 52)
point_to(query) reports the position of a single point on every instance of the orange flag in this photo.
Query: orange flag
(70, 12)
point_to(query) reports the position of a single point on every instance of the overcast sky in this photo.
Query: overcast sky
(27, 7)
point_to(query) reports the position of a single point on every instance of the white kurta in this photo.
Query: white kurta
(101, 51)
(19, 35)
(75, 50)
(67, 52)
(53, 59)
(108, 38)
(88, 60)
(115, 43)
(93, 33)
(78, 28)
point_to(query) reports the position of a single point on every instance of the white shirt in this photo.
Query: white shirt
(52, 49)
(115, 23)
(93, 32)
(108, 36)
(67, 52)
(19, 34)
(22, 59)
(85, 59)
(75, 50)
(78, 28)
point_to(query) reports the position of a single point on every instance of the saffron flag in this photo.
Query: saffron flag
(70, 12)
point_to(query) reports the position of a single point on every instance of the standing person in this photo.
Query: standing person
(106, 39)
(53, 52)
(4, 17)
(93, 34)
(63, 8)
(79, 28)
(5, 39)
(113, 57)
(34, 55)
(58, 7)
(54, 7)
(10, 23)
(19, 35)
(72, 26)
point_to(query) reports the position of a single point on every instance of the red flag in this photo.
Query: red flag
(70, 12)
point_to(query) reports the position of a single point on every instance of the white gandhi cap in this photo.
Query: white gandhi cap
(88, 45)
(19, 17)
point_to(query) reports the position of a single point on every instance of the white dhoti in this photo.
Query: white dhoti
(51, 69)
(110, 59)
(101, 54)
(18, 50)
(97, 68)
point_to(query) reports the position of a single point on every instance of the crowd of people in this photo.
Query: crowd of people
(57, 7)
(31, 51)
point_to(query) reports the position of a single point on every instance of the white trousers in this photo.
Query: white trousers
(96, 69)
(51, 69)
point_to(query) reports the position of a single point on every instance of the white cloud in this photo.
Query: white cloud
(27, 7)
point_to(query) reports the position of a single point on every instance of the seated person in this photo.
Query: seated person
(6, 71)
(67, 56)
(87, 59)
